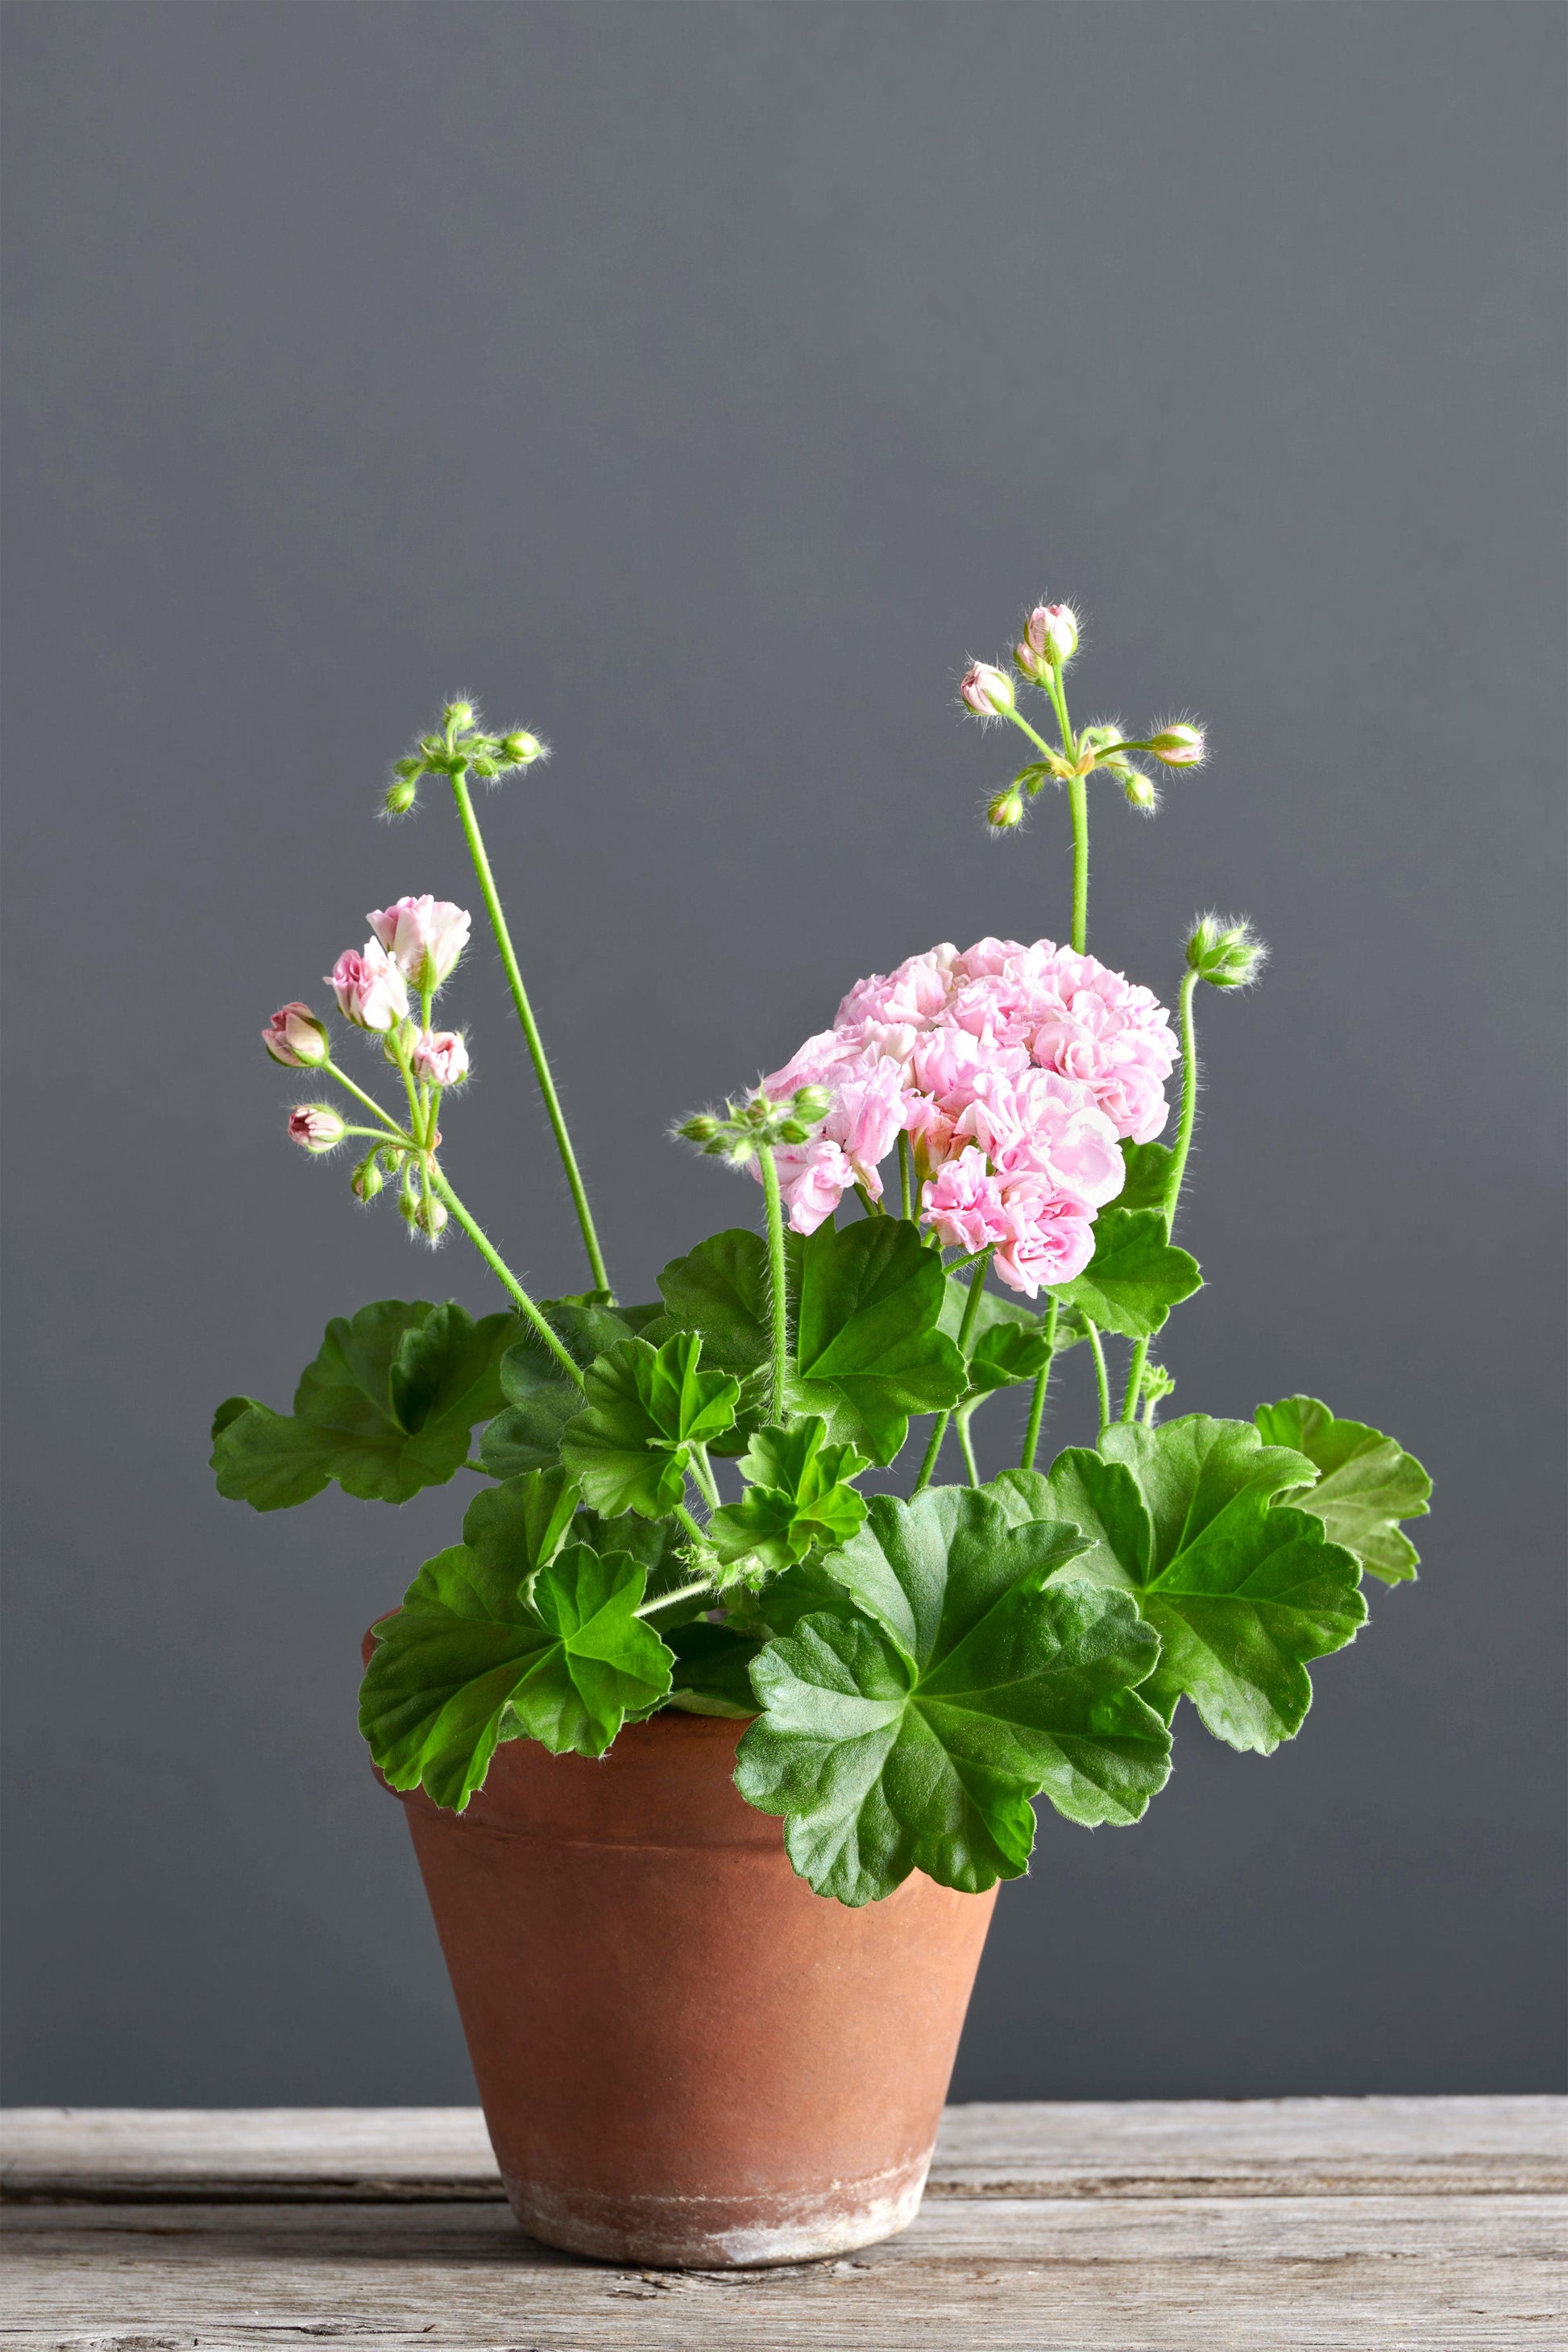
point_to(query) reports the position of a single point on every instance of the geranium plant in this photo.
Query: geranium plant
(961, 1179)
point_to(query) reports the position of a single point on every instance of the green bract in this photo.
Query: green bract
(388, 1406)
(1243, 1589)
(648, 1411)
(909, 1725)
(503, 1636)
(1368, 1483)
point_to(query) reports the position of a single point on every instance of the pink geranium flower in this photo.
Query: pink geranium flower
(424, 937)
(370, 988)
(441, 1056)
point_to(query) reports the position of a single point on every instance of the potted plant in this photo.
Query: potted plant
(713, 1756)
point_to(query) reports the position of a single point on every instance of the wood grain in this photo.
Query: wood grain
(140, 2232)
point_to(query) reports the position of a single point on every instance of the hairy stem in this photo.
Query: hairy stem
(529, 1029)
(1037, 1402)
(778, 1286)
(1077, 805)
(1189, 1100)
(966, 1447)
(1101, 1378)
(369, 1101)
(702, 1471)
(681, 1592)
(965, 1333)
(500, 1268)
(1134, 1380)
(906, 1174)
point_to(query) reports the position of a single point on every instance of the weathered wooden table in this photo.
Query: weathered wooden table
(1347, 2222)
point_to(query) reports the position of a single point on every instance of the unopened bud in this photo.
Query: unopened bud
(987, 691)
(1035, 667)
(316, 1126)
(459, 715)
(1179, 747)
(812, 1103)
(296, 1038)
(520, 749)
(431, 1219)
(367, 1178)
(1005, 810)
(1224, 952)
(485, 767)
(1141, 793)
(702, 1129)
(1051, 634)
(401, 797)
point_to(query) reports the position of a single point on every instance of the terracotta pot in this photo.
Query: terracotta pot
(686, 2057)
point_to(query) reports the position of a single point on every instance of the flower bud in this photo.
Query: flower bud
(459, 715)
(1005, 810)
(812, 1103)
(371, 990)
(1179, 747)
(431, 1218)
(988, 691)
(441, 1056)
(296, 1038)
(367, 1178)
(316, 1126)
(1051, 634)
(401, 795)
(701, 1128)
(520, 749)
(1034, 667)
(1224, 952)
(1141, 793)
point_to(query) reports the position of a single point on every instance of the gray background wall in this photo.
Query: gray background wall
(700, 385)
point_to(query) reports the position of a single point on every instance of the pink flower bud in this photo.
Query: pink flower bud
(986, 690)
(296, 1038)
(1179, 747)
(424, 937)
(316, 1126)
(371, 990)
(441, 1055)
(1051, 634)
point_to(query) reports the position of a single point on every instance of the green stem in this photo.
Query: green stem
(965, 1333)
(966, 1447)
(778, 1286)
(500, 1268)
(906, 1174)
(694, 1528)
(1189, 1100)
(1077, 805)
(369, 1101)
(1101, 1378)
(529, 1029)
(702, 1471)
(478, 1466)
(1037, 1402)
(1134, 1380)
(681, 1592)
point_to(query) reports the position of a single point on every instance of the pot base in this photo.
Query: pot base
(722, 2232)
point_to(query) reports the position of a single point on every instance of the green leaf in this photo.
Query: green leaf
(1135, 1275)
(1148, 1176)
(647, 1409)
(911, 1729)
(721, 1291)
(1243, 1591)
(1368, 1483)
(713, 1670)
(542, 1398)
(869, 1352)
(468, 1660)
(514, 1529)
(800, 1498)
(1008, 1343)
(387, 1407)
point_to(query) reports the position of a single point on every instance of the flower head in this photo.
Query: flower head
(1179, 747)
(1226, 952)
(296, 1038)
(370, 988)
(424, 937)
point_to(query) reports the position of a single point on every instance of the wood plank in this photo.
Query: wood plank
(1193, 2275)
(1131, 2148)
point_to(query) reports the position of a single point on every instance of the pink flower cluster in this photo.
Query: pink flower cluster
(1014, 1071)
